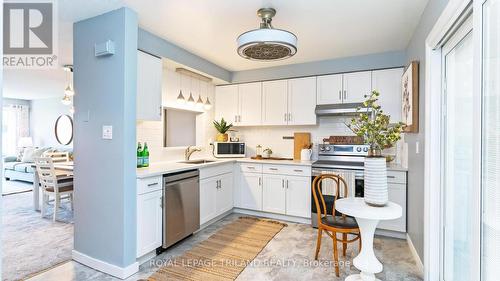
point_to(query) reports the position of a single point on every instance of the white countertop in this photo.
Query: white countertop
(396, 167)
(160, 168)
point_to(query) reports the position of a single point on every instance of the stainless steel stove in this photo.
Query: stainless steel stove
(338, 159)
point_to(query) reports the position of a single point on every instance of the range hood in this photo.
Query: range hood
(339, 109)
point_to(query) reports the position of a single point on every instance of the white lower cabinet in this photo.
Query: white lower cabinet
(298, 196)
(216, 196)
(397, 194)
(251, 191)
(279, 189)
(274, 194)
(149, 222)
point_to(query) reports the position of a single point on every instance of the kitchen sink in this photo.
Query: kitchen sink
(201, 161)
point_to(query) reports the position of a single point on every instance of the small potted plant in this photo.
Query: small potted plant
(267, 153)
(374, 126)
(222, 127)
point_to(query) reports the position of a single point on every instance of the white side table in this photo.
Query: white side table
(367, 218)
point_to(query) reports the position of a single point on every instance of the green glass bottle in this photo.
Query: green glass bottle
(145, 155)
(139, 155)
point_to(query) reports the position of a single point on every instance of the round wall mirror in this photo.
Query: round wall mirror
(64, 129)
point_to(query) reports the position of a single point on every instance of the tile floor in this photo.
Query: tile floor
(287, 257)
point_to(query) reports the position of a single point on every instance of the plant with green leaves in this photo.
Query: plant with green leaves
(222, 126)
(375, 127)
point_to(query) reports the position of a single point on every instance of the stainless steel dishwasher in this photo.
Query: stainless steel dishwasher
(181, 206)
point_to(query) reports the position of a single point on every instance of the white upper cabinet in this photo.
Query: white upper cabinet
(356, 86)
(329, 89)
(388, 83)
(149, 75)
(226, 103)
(274, 102)
(302, 101)
(250, 104)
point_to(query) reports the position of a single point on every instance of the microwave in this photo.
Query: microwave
(229, 149)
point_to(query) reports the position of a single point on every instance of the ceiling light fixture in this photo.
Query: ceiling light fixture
(180, 97)
(66, 100)
(207, 105)
(267, 43)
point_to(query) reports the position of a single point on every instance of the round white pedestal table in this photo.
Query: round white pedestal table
(367, 218)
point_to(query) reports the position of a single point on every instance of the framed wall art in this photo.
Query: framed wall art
(409, 88)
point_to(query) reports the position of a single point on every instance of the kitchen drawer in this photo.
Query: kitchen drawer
(287, 170)
(250, 168)
(146, 185)
(216, 170)
(396, 177)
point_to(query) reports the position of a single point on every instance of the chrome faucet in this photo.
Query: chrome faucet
(190, 150)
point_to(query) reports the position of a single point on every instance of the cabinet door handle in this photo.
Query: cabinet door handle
(282, 183)
(220, 183)
(298, 171)
(152, 184)
(285, 117)
(260, 181)
(286, 184)
(340, 94)
(235, 118)
(239, 118)
(251, 167)
(391, 177)
(273, 169)
(161, 202)
(345, 94)
(289, 117)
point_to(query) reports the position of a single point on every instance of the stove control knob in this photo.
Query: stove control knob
(327, 148)
(365, 149)
(358, 149)
(322, 148)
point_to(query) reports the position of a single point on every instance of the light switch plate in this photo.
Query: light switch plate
(417, 147)
(107, 132)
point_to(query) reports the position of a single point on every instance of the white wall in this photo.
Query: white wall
(152, 131)
(43, 116)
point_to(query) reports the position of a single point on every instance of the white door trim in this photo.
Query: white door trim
(433, 93)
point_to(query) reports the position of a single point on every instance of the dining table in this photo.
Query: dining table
(63, 169)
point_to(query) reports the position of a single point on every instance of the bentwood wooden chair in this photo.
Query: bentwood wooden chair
(53, 184)
(336, 223)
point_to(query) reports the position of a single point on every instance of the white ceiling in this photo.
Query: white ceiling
(326, 29)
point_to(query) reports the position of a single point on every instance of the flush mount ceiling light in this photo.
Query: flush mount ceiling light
(267, 43)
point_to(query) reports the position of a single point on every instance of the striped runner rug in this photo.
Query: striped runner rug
(224, 255)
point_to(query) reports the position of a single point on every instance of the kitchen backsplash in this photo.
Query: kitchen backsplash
(266, 136)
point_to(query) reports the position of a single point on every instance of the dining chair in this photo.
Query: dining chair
(60, 187)
(336, 223)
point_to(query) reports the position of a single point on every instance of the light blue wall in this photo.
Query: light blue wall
(157, 46)
(416, 51)
(365, 62)
(105, 94)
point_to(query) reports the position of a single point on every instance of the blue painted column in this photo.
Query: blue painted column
(105, 183)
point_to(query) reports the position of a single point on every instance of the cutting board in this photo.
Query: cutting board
(299, 141)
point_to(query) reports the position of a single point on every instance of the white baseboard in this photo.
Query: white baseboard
(272, 216)
(116, 271)
(413, 251)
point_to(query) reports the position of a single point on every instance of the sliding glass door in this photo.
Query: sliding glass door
(457, 142)
(490, 191)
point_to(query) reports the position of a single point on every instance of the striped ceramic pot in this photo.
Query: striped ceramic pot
(376, 193)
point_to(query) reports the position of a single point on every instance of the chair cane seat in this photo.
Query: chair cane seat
(339, 221)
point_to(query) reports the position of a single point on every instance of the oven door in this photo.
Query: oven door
(358, 191)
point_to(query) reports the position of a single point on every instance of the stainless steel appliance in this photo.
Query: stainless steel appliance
(339, 158)
(339, 109)
(181, 206)
(229, 149)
